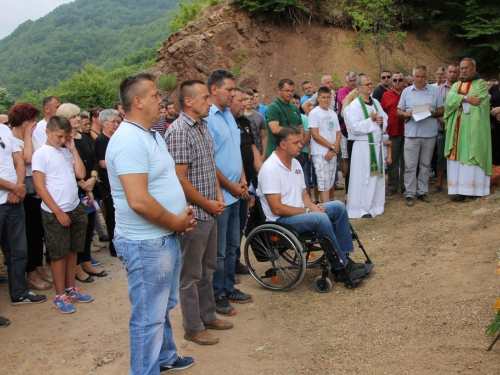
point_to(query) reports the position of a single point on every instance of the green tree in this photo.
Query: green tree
(6, 100)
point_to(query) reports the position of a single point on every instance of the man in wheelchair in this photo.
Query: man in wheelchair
(284, 200)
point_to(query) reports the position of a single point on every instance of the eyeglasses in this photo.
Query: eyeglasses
(1, 143)
(385, 77)
(398, 80)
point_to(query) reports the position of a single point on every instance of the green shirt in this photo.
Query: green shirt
(285, 114)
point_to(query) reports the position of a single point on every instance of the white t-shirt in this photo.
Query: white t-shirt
(58, 166)
(36, 146)
(328, 125)
(39, 132)
(275, 178)
(7, 169)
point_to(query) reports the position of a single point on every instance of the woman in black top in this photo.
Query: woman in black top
(84, 270)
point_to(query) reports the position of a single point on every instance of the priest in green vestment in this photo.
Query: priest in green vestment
(468, 137)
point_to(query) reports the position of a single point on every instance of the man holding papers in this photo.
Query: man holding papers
(468, 138)
(420, 105)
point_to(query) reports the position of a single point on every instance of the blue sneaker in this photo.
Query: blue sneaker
(180, 363)
(95, 262)
(64, 305)
(77, 295)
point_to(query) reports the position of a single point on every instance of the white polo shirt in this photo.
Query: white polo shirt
(275, 178)
(7, 169)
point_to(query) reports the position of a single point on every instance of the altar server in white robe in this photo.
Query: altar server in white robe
(366, 122)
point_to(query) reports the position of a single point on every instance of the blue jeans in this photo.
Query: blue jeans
(307, 172)
(13, 225)
(333, 224)
(153, 268)
(228, 240)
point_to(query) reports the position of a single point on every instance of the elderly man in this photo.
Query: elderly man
(232, 179)
(440, 77)
(420, 136)
(109, 119)
(310, 103)
(282, 112)
(366, 121)
(452, 77)
(192, 148)
(150, 211)
(396, 131)
(285, 200)
(468, 137)
(383, 86)
(50, 105)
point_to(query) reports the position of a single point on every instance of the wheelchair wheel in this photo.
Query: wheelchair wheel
(274, 257)
(322, 285)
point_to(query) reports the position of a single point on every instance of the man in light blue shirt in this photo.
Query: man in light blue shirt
(226, 136)
(420, 136)
(150, 210)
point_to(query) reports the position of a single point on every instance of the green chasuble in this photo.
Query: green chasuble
(468, 135)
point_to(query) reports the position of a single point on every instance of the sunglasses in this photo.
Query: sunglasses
(385, 77)
(398, 80)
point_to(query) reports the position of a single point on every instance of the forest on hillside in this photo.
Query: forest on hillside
(40, 53)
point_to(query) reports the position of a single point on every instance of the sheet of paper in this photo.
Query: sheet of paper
(466, 107)
(421, 111)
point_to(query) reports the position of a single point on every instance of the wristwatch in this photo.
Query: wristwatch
(332, 148)
(307, 210)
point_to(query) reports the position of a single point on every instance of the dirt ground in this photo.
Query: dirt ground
(423, 310)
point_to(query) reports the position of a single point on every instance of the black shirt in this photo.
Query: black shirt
(86, 152)
(171, 120)
(246, 147)
(101, 144)
(378, 92)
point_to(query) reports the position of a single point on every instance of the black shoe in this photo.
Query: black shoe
(27, 299)
(367, 216)
(409, 201)
(4, 322)
(223, 307)
(180, 363)
(423, 198)
(241, 269)
(352, 270)
(355, 265)
(239, 297)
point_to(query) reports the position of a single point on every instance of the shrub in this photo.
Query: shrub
(168, 82)
(188, 11)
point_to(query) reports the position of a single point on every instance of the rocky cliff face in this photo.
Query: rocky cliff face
(262, 52)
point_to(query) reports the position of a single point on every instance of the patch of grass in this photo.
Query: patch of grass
(167, 82)
(240, 62)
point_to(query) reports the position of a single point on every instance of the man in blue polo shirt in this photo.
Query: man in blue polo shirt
(420, 136)
(226, 136)
(150, 208)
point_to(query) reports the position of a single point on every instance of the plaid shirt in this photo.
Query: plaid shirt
(189, 142)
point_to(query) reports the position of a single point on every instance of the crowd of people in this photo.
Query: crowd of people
(175, 190)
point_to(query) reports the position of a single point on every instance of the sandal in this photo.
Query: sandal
(48, 279)
(89, 279)
(100, 274)
(42, 286)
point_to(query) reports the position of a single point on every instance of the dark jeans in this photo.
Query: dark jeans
(34, 232)
(397, 168)
(307, 172)
(84, 256)
(12, 221)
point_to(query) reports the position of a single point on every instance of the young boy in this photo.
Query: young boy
(325, 143)
(64, 217)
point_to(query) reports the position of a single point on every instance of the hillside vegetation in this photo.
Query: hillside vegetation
(40, 53)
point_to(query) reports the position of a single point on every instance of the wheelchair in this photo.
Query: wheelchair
(277, 256)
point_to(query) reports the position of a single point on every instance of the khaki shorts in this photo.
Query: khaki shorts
(59, 240)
